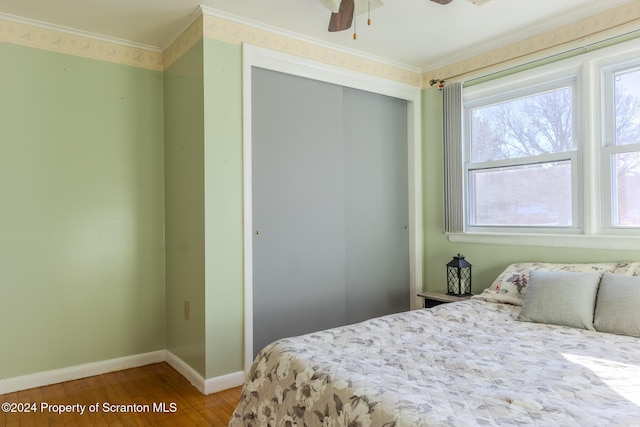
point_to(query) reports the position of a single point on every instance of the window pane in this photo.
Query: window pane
(627, 189)
(523, 127)
(627, 107)
(531, 195)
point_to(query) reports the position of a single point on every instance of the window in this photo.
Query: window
(552, 154)
(622, 146)
(522, 151)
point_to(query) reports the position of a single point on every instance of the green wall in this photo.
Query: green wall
(184, 207)
(223, 207)
(97, 160)
(203, 180)
(488, 260)
(81, 217)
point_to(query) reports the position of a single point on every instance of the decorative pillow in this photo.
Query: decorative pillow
(510, 287)
(618, 305)
(628, 269)
(561, 298)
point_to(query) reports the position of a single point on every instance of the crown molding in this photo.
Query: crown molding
(174, 36)
(185, 40)
(41, 35)
(609, 24)
(205, 22)
(528, 32)
(76, 32)
(236, 30)
(208, 11)
(212, 23)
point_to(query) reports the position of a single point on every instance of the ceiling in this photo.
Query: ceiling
(415, 33)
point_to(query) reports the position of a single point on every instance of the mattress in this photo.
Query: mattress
(459, 364)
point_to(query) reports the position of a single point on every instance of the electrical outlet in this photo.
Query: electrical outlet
(186, 310)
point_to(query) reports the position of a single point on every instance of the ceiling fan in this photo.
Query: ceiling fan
(343, 11)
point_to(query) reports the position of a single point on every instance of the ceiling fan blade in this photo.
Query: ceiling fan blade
(342, 20)
(442, 1)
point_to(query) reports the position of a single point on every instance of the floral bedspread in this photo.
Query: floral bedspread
(459, 364)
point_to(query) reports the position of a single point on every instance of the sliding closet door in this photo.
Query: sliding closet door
(330, 206)
(377, 204)
(298, 206)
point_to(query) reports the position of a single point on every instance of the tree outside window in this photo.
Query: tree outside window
(521, 164)
(626, 164)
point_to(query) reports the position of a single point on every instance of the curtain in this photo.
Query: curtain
(453, 168)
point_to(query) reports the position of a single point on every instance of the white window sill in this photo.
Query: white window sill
(550, 240)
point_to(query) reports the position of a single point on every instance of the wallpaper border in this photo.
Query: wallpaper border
(56, 39)
(613, 23)
(227, 30)
(210, 24)
(185, 41)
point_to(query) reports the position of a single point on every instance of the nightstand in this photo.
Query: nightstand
(431, 299)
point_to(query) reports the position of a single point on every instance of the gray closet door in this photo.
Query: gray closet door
(298, 206)
(376, 203)
(330, 206)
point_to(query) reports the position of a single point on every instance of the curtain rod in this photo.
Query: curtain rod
(629, 35)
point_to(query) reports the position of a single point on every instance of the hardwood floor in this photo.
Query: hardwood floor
(156, 395)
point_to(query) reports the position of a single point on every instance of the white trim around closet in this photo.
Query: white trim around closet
(277, 61)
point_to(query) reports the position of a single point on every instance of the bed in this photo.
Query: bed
(475, 362)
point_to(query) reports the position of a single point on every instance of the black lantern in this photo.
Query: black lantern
(458, 276)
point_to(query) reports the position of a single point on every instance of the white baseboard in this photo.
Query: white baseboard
(224, 382)
(208, 386)
(185, 370)
(40, 379)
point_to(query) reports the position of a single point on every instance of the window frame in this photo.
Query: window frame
(520, 90)
(608, 70)
(594, 176)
